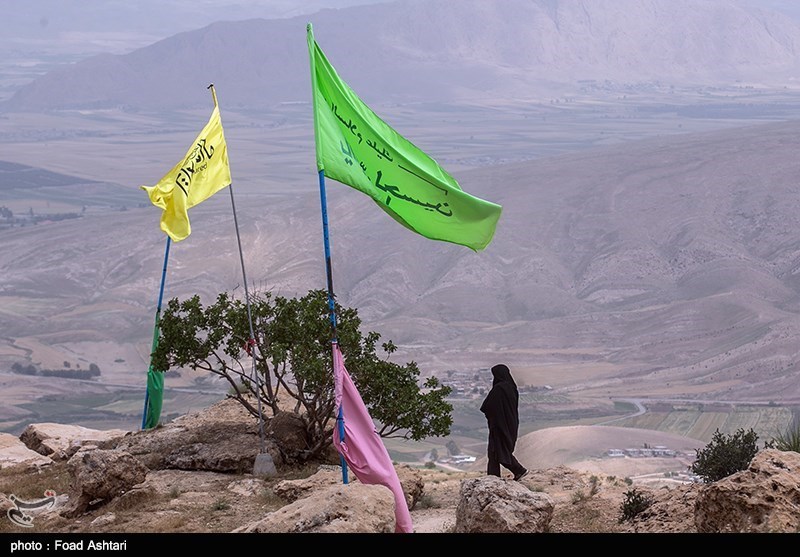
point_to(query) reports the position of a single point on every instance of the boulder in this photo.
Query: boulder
(412, 483)
(326, 476)
(100, 475)
(288, 430)
(671, 510)
(221, 438)
(61, 441)
(345, 508)
(14, 453)
(493, 505)
(765, 498)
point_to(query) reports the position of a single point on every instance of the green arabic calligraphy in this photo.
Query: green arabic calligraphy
(394, 191)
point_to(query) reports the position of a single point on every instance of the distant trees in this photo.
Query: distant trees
(67, 372)
(23, 369)
(452, 448)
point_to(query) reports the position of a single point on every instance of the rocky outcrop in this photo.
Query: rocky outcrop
(346, 509)
(222, 438)
(671, 510)
(288, 430)
(61, 441)
(292, 490)
(493, 505)
(412, 483)
(765, 498)
(101, 475)
(14, 453)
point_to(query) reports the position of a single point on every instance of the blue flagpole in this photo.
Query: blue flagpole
(331, 304)
(155, 328)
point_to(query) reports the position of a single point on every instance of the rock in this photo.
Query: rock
(344, 508)
(14, 453)
(221, 438)
(61, 441)
(101, 474)
(292, 490)
(249, 487)
(493, 505)
(289, 432)
(412, 484)
(104, 520)
(762, 499)
(671, 510)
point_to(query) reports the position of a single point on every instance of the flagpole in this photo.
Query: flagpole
(251, 341)
(328, 266)
(331, 303)
(151, 371)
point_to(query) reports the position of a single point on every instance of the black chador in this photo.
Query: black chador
(501, 408)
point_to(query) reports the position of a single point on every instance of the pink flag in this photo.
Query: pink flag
(362, 447)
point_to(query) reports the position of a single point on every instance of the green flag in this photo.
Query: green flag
(358, 149)
(155, 386)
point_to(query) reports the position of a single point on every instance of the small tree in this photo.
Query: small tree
(635, 503)
(292, 357)
(725, 455)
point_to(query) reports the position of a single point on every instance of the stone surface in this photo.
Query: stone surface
(61, 441)
(765, 498)
(345, 508)
(101, 474)
(13, 452)
(412, 484)
(292, 490)
(221, 438)
(493, 505)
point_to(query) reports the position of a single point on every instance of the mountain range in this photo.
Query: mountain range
(439, 50)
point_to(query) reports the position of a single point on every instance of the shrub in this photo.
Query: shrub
(725, 455)
(578, 496)
(291, 360)
(635, 502)
(788, 439)
(593, 486)
(221, 505)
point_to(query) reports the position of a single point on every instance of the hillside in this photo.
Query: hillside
(440, 50)
(663, 269)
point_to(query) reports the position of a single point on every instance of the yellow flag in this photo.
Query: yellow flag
(202, 173)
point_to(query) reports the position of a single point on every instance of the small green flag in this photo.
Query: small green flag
(358, 149)
(155, 398)
(155, 386)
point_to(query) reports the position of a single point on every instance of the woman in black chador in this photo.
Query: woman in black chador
(501, 408)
